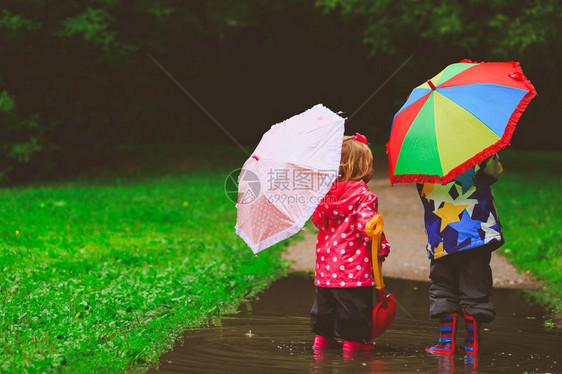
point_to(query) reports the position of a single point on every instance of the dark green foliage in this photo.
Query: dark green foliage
(82, 69)
(23, 137)
(501, 29)
(443, 32)
(78, 79)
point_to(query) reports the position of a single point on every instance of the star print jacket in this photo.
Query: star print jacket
(461, 214)
(343, 249)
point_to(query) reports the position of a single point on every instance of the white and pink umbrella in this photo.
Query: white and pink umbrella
(290, 171)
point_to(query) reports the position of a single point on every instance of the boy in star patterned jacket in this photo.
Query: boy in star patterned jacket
(344, 275)
(463, 229)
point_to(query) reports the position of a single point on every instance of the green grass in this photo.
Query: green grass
(528, 197)
(104, 276)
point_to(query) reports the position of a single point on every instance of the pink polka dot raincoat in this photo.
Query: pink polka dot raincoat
(343, 249)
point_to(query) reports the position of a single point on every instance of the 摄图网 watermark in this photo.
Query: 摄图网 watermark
(278, 185)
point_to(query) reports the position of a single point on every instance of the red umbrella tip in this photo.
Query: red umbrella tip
(431, 84)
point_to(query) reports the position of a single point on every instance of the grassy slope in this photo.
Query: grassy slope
(529, 205)
(100, 277)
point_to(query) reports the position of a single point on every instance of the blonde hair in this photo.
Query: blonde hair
(356, 161)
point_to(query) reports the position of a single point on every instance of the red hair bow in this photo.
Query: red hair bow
(359, 137)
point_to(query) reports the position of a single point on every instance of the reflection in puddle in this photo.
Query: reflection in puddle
(272, 335)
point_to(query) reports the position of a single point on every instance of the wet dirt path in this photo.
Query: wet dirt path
(272, 335)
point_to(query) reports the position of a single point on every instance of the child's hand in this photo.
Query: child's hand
(490, 170)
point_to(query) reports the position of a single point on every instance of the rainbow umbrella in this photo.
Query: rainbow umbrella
(456, 119)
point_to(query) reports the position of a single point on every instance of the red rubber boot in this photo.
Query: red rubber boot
(447, 330)
(321, 342)
(472, 339)
(357, 346)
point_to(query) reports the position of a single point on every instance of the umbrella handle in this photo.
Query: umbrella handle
(373, 228)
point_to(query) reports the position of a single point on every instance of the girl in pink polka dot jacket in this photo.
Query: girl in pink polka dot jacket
(344, 276)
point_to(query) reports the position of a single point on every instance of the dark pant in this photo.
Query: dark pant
(343, 312)
(463, 280)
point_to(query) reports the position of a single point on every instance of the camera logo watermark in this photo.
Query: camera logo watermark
(250, 181)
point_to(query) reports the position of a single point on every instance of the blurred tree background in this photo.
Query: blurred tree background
(76, 82)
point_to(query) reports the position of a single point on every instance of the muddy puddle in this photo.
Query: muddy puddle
(272, 335)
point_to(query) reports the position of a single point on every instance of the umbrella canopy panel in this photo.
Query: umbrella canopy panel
(286, 193)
